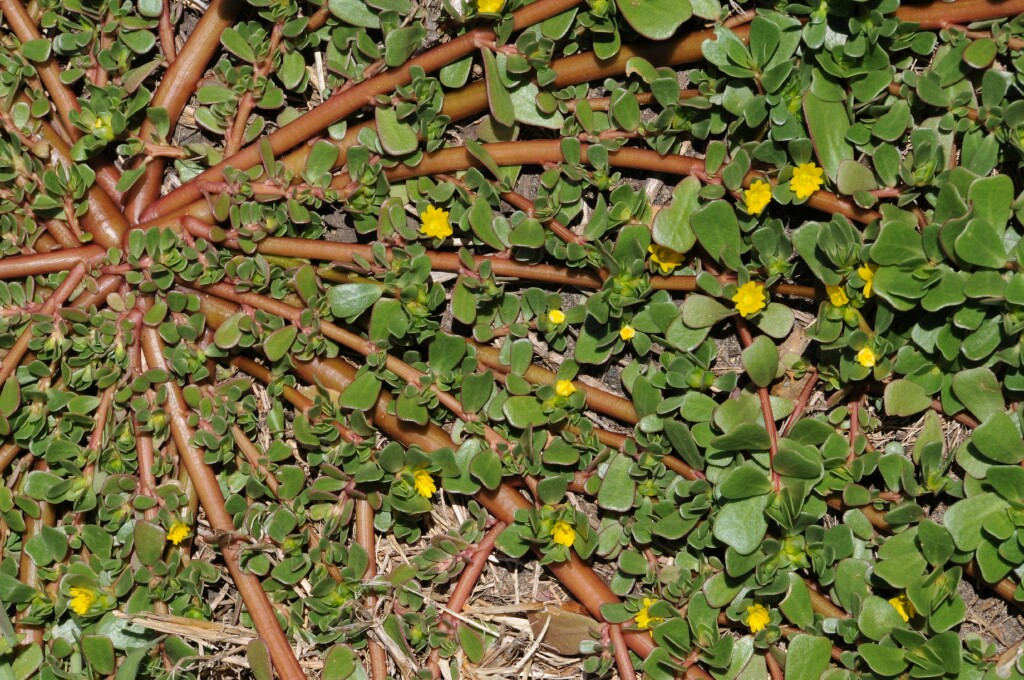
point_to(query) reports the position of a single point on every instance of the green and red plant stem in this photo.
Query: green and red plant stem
(236, 129)
(343, 104)
(577, 576)
(746, 340)
(175, 89)
(352, 341)
(472, 99)
(103, 218)
(598, 400)
(63, 98)
(27, 573)
(464, 588)
(621, 652)
(212, 501)
(366, 538)
(21, 266)
(54, 302)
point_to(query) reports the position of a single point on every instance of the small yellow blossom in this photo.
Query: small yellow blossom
(757, 617)
(758, 196)
(644, 619)
(563, 533)
(492, 6)
(82, 600)
(565, 388)
(424, 483)
(435, 223)
(178, 532)
(749, 299)
(807, 178)
(867, 273)
(556, 316)
(666, 258)
(903, 606)
(627, 332)
(837, 295)
(866, 357)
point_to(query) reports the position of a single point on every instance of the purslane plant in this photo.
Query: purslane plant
(204, 390)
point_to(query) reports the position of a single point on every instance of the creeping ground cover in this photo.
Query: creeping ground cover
(509, 339)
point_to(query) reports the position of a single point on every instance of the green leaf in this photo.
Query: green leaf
(672, 223)
(397, 138)
(258, 655)
(150, 540)
(797, 604)
(36, 50)
(362, 393)
(981, 244)
(700, 311)
(980, 53)
(883, 659)
(965, 519)
(237, 45)
(400, 43)
(498, 97)
(828, 123)
(905, 398)
(718, 230)
(655, 19)
(523, 412)
(278, 343)
(854, 177)
(339, 663)
(978, 389)
(741, 524)
(999, 439)
(618, 490)
(878, 618)
(320, 161)
(98, 652)
(354, 12)
(761, 361)
(352, 299)
(746, 481)
(807, 657)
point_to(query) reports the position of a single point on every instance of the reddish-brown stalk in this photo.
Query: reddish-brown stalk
(345, 103)
(465, 585)
(503, 502)
(176, 88)
(212, 501)
(766, 406)
(63, 98)
(366, 537)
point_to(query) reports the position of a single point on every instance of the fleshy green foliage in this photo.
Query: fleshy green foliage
(746, 529)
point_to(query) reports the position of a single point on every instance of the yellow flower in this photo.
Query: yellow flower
(435, 223)
(644, 618)
(758, 196)
(866, 357)
(749, 299)
(627, 332)
(82, 600)
(565, 388)
(903, 606)
(556, 316)
(178, 532)
(492, 6)
(837, 295)
(807, 178)
(424, 483)
(563, 533)
(666, 258)
(757, 618)
(867, 272)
